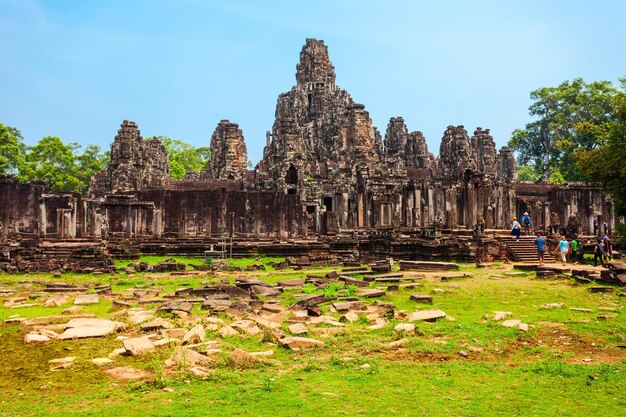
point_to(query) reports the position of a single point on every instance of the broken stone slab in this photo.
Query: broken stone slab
(56, 300)
(349, 317)
(427, 266)
(406, 328)
(246, 326)
(227, 331)
(422, 298)
(297, 329)
(244, 358)
(83, 328)
(511, 323)
(216, 306)
(119, 305)
(378, 324)
(61, 363)
(85, 299)
(265, 291)
(499, 315)
(273, 308)
(187, 358)
(426, 315)
(10, 302)
(371, 293)
(35, 337)
(156, 324)
(582, 310)
(138, 345)
(139, 315)
(74, 310)
(291, 283)
(348, 305)
(298, 343)
(24, 305)
(196, 335)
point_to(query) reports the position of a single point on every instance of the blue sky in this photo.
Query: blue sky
(77, 69)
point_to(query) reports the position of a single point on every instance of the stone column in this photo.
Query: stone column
(43, 218)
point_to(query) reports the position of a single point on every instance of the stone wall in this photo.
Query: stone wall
(325, 171)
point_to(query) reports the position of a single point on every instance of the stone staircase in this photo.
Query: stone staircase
(525, 250)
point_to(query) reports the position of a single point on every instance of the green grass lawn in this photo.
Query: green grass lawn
(569, 363)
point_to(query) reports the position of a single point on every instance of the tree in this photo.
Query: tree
(90, 162)
(53, 162)
(551, 142)
(183, 157)
(606, 162)
(11, 149)
(527, 173)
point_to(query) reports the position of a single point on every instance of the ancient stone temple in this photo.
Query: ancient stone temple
(327, 175)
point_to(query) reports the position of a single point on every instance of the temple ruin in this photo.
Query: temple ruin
(328, 181)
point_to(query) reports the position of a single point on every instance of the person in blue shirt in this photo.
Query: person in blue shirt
(526, 222)
(540, 243)
(563, 247)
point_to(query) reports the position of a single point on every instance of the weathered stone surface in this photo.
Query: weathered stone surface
(86, 299)
(187, 358)
(229, 155)
(422, 298)
(156, 324)
(56, 300)
(227, 331)
(349, 317)
(297, 343)
(297, 329)
(348, 305)
(243, 358)
(406, 328)
(138, 345)
(82, 328)
(195, 335)
(371, 293)
(246, 326)
(425, 315)
(35, 337)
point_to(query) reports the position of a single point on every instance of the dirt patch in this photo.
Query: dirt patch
(576, 348)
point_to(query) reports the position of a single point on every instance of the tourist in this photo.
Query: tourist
(515, 231)
(563, 247)
(606, 228)
(573, 249)
(595, 227)
(526, 222)
(540, 243)
(598, 253)
(606, 243)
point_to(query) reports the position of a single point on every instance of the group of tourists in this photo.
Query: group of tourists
(570, 250)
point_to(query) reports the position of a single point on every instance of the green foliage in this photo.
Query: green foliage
(183, 157)
(605, 163)
(53, 162)
(556, 177)
(527, 173)
(56, 163)
(11, 149)
(552, 140)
